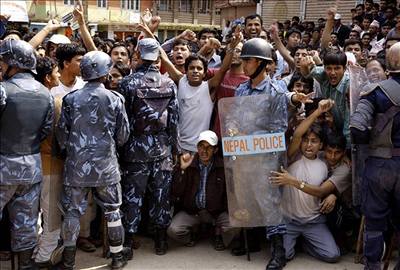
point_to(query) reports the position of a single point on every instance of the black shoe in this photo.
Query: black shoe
(218, 243)
(128, 253)
(44, 265)
(278, 259)
(253, 244)
(160, 241)
(25, 261)
(68, 258)
(118, 261)
(193, 238)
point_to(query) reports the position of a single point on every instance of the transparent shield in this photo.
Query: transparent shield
(253, 142)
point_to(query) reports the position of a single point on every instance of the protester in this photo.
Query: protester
(200, 194)
(52, 168)
(69, 57)
(303, 213)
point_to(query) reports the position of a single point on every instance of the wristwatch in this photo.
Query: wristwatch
(302, 185)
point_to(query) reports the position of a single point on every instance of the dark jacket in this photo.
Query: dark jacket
(186, 185)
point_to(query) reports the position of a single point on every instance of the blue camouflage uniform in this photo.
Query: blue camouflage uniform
(26, 116)
(152, 108)
(93, 123)
(380, 188)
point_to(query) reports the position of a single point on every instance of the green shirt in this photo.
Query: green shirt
(339, 93)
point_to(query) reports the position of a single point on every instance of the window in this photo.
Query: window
(130, 4)
(69, 2)
(205, 6)
(164, 5)
(185, 5)
(102, 3)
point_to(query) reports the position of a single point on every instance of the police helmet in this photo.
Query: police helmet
(94, 65)
(393, 58)
(257, 48)
(18, 53)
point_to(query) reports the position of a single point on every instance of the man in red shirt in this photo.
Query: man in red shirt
(231, 81)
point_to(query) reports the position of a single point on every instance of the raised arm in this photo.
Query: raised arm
(209, 48)
(86, 38)
(51, 26)
(326, 34)
(173, 72)
(215, 81)
(188, 34)
(306, 65)
(280, 47)
(323, 106)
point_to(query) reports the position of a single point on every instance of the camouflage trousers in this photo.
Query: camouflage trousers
(23, 207)
(74, 202)
(155, 177)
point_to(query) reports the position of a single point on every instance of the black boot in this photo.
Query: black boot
(278, 260)
(68, 258)
(252, 241)
(128, 246)
(118, 261)
(25, 260)
(160, 241)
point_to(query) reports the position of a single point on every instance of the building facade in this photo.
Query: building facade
(108, 17)
(117, 17)
(309, 10)
(178, 15)
(281, 10)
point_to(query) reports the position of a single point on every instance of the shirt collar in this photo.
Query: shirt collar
(208, 166)
(261, 85)
(23, 75)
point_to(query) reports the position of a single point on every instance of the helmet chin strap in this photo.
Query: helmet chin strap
(5, 74)
(259, 69)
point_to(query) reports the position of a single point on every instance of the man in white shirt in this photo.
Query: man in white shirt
(69, 57)
(302, 211)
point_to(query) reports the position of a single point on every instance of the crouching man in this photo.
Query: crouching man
(200, 194)
(92, 124)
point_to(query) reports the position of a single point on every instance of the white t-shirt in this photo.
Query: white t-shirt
(61, 90)
(195, 109)
(297, 204)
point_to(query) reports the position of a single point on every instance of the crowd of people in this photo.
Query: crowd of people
(97, 130)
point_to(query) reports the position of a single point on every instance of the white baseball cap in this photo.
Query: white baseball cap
(338, 16)
(59, 39)
(208, 136)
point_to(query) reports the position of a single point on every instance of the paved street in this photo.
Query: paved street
(203, 256)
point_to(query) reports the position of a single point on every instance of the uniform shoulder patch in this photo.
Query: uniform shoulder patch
(368, 89)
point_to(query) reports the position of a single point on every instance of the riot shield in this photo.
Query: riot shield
(359, 82)
(253, 142)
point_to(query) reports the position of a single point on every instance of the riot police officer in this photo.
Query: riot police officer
(257, 55)
(26, 117)
(380, 192)
(152, 109)
(93, 123)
